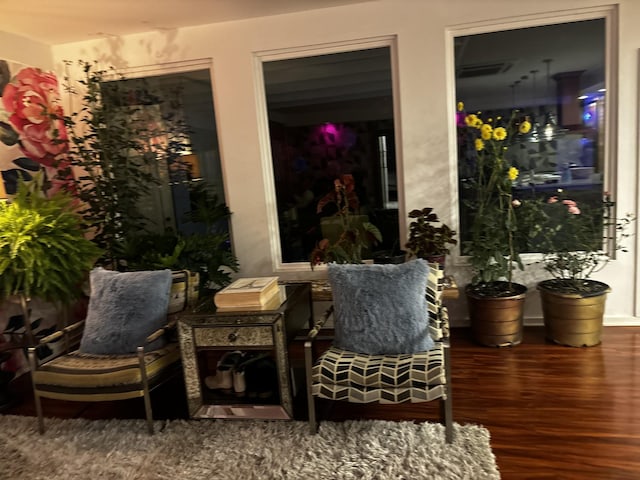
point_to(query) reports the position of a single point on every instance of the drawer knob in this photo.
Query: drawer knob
(232, 337)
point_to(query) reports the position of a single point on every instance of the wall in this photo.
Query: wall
(24, 50)
(426, 101)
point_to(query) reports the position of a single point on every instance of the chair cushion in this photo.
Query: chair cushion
(124, 308)
(82, 371)
(381, 309)
(343, 375)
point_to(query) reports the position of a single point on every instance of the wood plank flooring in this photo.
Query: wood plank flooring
(554, 412)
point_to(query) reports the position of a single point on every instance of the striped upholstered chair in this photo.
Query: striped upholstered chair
(85, 377)
(419, 376)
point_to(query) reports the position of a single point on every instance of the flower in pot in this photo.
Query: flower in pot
(573, 237)
(43, 251)
(493, 248)
(348, 233)
(429, 238)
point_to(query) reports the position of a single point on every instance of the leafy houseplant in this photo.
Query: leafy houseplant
(115, 147)
(206, 251)
(495, 302)
(493, 248)
(573, 237)
(429, 238)
(116, 140)
(43, 251)
(354, 233)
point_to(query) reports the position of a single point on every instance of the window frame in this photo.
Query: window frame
(610, 15)
(261, 57)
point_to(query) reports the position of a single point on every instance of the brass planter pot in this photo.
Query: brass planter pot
(496, 321)
(572, 319)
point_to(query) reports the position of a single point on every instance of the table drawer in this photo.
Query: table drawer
(233, 337)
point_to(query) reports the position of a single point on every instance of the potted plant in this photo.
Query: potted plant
(495, 302)
(573, 237)
(429, 238)
(206, 251)
(352, 232)
(43, 250)
(113, 142)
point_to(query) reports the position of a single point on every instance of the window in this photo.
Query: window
(331, 115)
(184, 102)
(555, 76)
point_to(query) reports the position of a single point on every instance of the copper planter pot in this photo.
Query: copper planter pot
(497, 321)
(571, 319)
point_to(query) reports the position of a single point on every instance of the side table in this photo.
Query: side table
(206, 334)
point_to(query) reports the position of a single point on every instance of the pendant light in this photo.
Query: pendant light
(534, 134)
(550, 124)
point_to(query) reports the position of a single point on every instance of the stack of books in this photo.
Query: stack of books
(258, 293)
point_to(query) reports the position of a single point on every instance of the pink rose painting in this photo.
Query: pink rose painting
(31, 125)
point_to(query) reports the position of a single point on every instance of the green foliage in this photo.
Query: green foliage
(43, 251)
(354, 236)
(207, 251)
(574, 236)
(493, 248)
(112, 142)
(428, 236)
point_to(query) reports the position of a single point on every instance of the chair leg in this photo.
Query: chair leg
(145, 388)
(447, 417)
(311, 404)
(33, 365)
(448, 400)
(36, 398)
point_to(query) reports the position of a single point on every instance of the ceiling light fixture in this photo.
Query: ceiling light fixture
(550, 124)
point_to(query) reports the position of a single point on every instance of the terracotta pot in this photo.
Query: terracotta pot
(573, 319)
(496, 321)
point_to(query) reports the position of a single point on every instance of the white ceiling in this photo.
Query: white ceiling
(64, 21)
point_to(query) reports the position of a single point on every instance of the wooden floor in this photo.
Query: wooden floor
(554, 412)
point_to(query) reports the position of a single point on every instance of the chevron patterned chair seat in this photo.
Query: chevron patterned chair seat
(343, 375)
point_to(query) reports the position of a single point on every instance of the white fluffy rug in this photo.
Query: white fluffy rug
(241, 450)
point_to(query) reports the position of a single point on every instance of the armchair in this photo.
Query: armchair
(76, 375)
(397, 369)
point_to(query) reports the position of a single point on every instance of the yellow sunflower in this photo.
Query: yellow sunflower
(499, 133)
(485, 131)
(479, 144)
(472, 120)
(525, 127)
(513, 173)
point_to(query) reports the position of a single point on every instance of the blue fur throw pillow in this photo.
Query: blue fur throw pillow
(124, 308)
(381, 309)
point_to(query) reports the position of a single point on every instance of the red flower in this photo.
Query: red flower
(32, 100)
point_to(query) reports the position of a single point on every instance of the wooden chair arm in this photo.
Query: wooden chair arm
(60, 333)
(319, 324)
(168, 327)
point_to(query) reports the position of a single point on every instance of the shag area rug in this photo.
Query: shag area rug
(241, 450)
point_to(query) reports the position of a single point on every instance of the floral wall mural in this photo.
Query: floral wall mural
(32, 138)
(32, 131)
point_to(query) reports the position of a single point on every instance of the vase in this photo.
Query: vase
(496, 320)
(573, 319)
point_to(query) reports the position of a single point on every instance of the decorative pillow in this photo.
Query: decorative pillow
(124, 308)
(381, 309)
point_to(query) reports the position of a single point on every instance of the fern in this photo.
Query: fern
(43, 251)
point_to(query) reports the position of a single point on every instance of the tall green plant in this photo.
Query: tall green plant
(113, 143)
(207, 250)
(43, 251)
(493, 248)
